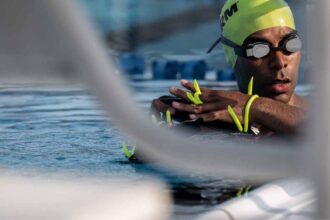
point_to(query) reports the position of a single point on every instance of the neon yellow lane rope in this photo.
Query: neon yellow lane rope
(194, 98)
(234, 118)
(196, 86)
(127, 152)
(243, 191)
(247, 112)
(250, 87)
(168, 117)
(191, 98)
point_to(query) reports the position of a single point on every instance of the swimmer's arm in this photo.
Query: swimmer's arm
(277, 116)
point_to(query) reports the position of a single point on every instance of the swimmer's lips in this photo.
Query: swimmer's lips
(279, 86)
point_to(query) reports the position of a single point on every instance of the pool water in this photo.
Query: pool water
(62, 129)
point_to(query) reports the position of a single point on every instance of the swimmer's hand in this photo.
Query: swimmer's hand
(215, 103)
(162, 104)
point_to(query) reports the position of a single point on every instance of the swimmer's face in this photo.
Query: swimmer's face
(276, 75)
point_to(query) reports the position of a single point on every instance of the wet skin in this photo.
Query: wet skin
(275, 77)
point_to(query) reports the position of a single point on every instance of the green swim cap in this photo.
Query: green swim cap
(241, 18)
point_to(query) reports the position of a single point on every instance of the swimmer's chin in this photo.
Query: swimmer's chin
(281, 97)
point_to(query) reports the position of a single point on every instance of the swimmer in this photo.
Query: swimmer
(260, 41)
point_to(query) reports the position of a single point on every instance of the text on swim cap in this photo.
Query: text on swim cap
(228, 13)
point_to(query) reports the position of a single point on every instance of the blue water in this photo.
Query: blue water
(55, 129)
(62, 129)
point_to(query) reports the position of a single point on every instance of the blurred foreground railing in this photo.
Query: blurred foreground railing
(42, 40)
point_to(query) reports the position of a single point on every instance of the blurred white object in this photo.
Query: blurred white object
(31, 198)
(286, 199)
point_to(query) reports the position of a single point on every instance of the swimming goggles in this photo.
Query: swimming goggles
(291, 44)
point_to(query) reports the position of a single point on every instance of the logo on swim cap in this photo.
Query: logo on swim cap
(228, 13)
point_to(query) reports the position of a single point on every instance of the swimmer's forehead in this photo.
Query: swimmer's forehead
(270, 34)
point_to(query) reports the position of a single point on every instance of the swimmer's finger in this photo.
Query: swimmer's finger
(183, 95)
(199, 109)
(209, 96)
(158, 107)
(190, 86)
(222, 116)
(179, 93)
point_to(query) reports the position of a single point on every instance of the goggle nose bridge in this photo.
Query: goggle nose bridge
(282, 47)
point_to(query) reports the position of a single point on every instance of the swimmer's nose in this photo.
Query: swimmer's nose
(278, 60)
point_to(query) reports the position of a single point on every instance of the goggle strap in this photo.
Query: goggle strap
(214, 45)
(238, 50)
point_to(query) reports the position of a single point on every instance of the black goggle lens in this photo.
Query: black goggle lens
(293, 45)
(262, 49)
(258, 51)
